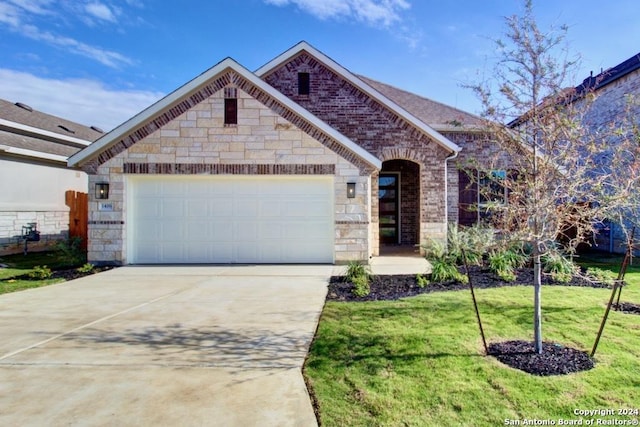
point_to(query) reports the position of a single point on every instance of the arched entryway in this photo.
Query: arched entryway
(399, 205)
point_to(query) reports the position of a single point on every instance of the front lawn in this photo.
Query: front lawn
(419, 361)
(14, 277)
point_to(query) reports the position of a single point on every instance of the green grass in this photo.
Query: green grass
(20, 265)
(419, 361)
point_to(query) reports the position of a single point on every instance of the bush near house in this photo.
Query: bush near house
(37, 269)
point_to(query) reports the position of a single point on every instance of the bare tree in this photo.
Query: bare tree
(559, 176)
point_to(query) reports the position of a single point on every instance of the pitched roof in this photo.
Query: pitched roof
(26, 133)
(360, 84)
(25, 115)
(437, 115)
(198, 89)
(609, 76)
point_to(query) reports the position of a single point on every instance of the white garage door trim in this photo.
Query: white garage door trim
(188, 219)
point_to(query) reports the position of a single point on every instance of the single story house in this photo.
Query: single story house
(34, 177)
(301, 161)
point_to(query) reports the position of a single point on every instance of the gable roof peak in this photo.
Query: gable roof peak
(365, 87)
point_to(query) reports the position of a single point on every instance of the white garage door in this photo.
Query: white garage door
(230, 219)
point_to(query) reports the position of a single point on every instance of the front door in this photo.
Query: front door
(388, 195)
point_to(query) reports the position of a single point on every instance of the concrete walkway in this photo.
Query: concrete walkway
(162, 346)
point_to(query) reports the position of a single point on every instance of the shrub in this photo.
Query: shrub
(72, 251)
(356, 269)
(474, 240)
(603, 276)
(558, 267)
(421, 280)
(358, 274)
(444, 271)
(87, 268)
(361, 286)
(504, 262)
(40, 273)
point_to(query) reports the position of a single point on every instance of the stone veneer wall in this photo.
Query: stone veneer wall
(375, 128)
(53, 226)
(197, 141)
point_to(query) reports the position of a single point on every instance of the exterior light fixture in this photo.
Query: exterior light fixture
(351, 190)
(102, 190)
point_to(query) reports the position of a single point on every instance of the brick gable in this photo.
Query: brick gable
(348, 109)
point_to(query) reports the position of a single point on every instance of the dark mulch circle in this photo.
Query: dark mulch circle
(627, 307)
(555, 359)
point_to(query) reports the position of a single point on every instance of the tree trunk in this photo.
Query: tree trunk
(537, 289)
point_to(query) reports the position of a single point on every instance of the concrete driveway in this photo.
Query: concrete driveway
(174, 346)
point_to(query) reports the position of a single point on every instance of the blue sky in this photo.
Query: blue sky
(99, 62)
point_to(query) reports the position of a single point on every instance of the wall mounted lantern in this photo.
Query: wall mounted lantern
(351, 190)
(102, 190)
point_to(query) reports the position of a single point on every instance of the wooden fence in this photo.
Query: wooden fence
(78, 215)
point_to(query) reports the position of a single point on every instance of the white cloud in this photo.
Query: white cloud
(373, 12)
(20, 17)
(85, 101)
(100, 11)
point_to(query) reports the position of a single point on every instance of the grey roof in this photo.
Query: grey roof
(11, 139)
(37, 119)
(593, 83)
(439, 116)
(26, 133)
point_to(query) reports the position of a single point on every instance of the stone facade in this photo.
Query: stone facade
(375, 128)
(198, 142)
(52, 225)
(342, 127)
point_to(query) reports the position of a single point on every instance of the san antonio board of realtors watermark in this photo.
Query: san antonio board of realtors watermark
(584, 417)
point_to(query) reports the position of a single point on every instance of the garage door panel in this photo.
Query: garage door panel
(197, 208)
(148, 208)
(239, 219)
(246, 208)
(172, 208)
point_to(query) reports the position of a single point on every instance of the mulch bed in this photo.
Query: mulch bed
(68, 274)
(392, 287)
(627, 307)
(555, 359)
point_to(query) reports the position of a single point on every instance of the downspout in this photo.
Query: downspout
(446, 189)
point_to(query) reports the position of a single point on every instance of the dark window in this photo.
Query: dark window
(303, 83)
(492, 189)
(231, 111)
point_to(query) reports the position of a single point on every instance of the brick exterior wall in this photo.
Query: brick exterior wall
(375, 128)
(198, 142)
(608, 108)
(477, 148)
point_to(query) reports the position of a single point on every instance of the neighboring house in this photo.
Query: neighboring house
(615, 96)
(617, 92)
(34, 148)
(301, 161)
